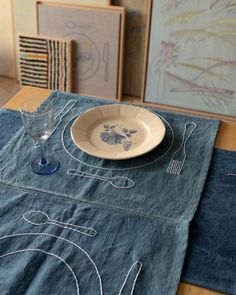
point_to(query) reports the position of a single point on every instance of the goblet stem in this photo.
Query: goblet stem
(42, 154)
(38, 122)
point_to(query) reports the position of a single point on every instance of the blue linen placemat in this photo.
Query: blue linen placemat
(211, 255)
(161, 195)
(148, 193)
(210, 261)
(111, 253)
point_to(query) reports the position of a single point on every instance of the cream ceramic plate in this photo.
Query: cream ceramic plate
(117, 131)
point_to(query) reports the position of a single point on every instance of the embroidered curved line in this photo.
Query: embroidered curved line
(118, 169)
(231, 174)
(48, 253)
(110, 180)
(135, 279)
(88, 231)
(63, 239)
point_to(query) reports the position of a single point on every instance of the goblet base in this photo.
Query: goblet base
(50, 166)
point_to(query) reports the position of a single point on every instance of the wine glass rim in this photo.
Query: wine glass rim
(32, 114)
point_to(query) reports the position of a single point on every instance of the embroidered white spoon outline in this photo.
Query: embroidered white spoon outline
(30, 215)
(114, 181)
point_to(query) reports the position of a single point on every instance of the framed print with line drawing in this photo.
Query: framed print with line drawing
(97, 35)
(191, 59)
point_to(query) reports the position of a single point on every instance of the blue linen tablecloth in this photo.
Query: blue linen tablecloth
(147, 221)
(211, 255)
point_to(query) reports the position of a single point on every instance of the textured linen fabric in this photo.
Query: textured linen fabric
(211, 255)
(10, 122)
(121, 240)
(147, 222)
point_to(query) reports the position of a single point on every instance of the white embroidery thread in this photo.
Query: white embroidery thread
(63, 239)
(48, 253)
(135, 279)
(179, 156)
(61, 259)
(110, 180)
(80, 229)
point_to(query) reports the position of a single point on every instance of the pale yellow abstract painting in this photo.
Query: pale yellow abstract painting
(192, 62)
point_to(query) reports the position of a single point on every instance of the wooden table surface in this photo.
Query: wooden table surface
(226, 139)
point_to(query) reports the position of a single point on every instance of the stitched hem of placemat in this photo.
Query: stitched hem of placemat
(97, 204)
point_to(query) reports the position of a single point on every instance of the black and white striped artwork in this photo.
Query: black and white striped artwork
(45, 62)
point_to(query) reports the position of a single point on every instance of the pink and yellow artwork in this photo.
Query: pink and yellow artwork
(191, 60)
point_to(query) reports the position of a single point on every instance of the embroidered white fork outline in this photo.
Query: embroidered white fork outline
(176, 165)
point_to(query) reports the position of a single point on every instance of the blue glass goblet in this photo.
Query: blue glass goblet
(38, 121)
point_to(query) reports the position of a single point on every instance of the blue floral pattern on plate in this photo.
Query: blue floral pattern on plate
(115, 134)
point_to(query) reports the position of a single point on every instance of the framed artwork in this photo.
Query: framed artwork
(136, 33)
(191, 60)
(97, 34)
(45, 62)
(26, 10)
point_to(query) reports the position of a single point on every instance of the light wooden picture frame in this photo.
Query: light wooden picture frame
(26, 10)
(98, 37)
(45, 62)
(191, 59)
